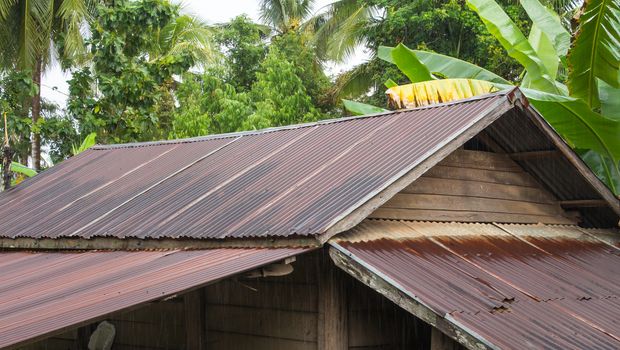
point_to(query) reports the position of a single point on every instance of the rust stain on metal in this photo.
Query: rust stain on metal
(294, 181)
(42, 292)
(550, 288)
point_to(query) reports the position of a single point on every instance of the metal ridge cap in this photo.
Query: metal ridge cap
(296, 126)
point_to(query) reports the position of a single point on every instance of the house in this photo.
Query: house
(468, 224)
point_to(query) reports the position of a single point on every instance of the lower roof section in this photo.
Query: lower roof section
(43, 293)
(494, 286)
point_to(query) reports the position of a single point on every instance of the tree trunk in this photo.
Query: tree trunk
(36, 113)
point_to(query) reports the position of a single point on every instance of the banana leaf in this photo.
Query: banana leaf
(437, 91)
(610, 100)
(408, 63)
(22, 169)
(545, 50)
(580, 127)
(516, 44)
(89, 141)
(358, 108)
(446, 66)
(595, 52)
(549, 23)
(604, 168)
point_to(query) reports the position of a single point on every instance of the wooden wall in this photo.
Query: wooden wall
(265, 313)
(475, 186)
(275, 313)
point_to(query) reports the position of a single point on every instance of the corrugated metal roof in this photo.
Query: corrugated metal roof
(512, 286)
(45, 292)
(293, 181)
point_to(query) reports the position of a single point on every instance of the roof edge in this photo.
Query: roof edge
(294, 126)
(112, 243)
(393, 291)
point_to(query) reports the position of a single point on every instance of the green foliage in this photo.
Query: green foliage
(297, 49)
(280, 95)
(133, 87)
(16, 89)
(208, 105)
(596, 50)
(285, 15)
(408, 63)
(89, 141)
(358, 108)
(244, 49)
(22, 169)
(516, 44)
(446, 27)
(596, 136)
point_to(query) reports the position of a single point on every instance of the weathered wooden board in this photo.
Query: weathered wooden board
(266, 294)
(476, 204)
(166, 335)
(482, 175)
(333, 322)
(481, 160)
(290, 325)
(455, 187)
(474, 186)
(466, 216)
(228, 341)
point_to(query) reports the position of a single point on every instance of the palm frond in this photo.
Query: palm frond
(340, 28)
(187, 35)
(354, 83)
(284, 15)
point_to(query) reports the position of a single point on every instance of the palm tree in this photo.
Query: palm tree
(32, 33)
(186, 35)
(285, 15)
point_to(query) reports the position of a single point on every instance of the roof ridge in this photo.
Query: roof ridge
(293, 126)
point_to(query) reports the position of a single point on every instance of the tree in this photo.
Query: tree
(285, 15)
(30, 32)
(443, 26)
(586, 113)
(280, 95)
(137, 48)
(209, 105)
(244, 46)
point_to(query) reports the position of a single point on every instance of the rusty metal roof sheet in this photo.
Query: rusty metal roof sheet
(43, 292)
(291, 181)
(510, 286)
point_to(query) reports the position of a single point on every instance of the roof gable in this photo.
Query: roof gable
(298, 181)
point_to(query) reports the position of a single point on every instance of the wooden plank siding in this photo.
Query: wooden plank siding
(265, 313)
(475, 186)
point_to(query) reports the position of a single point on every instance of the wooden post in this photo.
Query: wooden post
(333, 330)
(440, 341)
(195, 320)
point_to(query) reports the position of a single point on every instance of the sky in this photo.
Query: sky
(54, 85)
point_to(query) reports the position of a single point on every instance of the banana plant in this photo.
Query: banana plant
(586, 111)
(89, 141)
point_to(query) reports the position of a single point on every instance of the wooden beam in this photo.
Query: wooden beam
(407, 302)
(535, 155)
(195, 320)
(107, 243)
(485, 138)
(333, 328)
(440, 341)
(584, 203)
